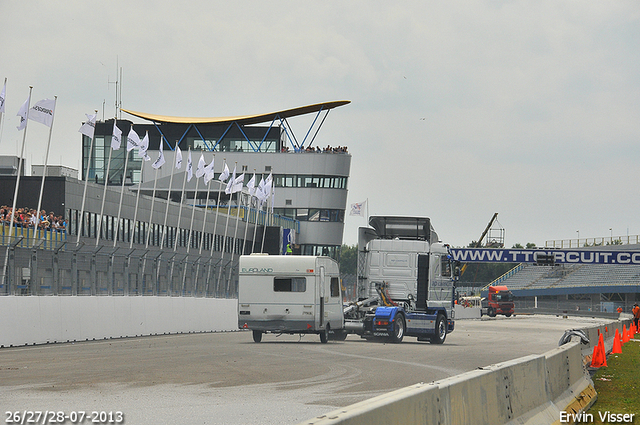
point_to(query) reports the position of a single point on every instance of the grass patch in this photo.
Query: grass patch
(618, 384)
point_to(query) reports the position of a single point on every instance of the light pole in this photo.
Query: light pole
(578, 232)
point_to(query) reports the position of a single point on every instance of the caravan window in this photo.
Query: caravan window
(335, 287)
(289, 284)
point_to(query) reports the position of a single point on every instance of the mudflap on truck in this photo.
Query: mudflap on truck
(383, 321)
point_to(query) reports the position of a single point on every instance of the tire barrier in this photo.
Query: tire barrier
(535, 389)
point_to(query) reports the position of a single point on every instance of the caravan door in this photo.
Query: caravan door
(322, 291)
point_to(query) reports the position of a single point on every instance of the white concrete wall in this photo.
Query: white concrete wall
(40, 320)
(467, 312)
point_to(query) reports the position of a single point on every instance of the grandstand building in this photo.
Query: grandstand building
(164, 235)
(598, 288)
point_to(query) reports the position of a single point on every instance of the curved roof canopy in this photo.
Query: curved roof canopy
(246, 119)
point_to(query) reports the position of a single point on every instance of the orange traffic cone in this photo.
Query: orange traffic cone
(599, 356)
(625, 334)
(617, 346)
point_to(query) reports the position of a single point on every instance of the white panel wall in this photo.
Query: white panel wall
(39, 320)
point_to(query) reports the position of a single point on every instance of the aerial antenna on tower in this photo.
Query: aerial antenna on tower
(118, 86)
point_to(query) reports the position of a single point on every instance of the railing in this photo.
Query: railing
(45, 238)
(505, 276)
(103, 270)
(586, 242)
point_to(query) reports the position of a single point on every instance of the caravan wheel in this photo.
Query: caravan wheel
(257, 336)
(324, 335)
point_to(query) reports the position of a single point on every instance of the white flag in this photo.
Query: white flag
(208, 171)
(43, 111)
(116, 138)
(2, 97)
(160, 161)
(252, 185)
(89, 127)
(225, 174)
(189, 168)
(133, 140)
(201, 165)
(260, 192)
(238, 183)
(178, 157)
(230, 182)
(144, 146)
(23, 112)
(358, 209)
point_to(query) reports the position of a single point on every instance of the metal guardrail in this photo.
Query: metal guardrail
(104, 270)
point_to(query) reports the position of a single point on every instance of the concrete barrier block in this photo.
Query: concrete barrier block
(475, 397)
(524, 382)
(417, 404)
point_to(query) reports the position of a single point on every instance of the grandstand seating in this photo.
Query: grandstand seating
(572, 276)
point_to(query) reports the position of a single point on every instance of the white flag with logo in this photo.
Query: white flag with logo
(160, 161)
(143, 147)
(201, 164)
(22, 113)
(2, 97)
(178, 157)
(189, 167)
(358, 209)
(252, 185)
(89, 127)
(225, 174)
(116, 137)
(43, 111)
(230, 182)
(133, 140)
(260, 192)
(208, 171)
(238, 183)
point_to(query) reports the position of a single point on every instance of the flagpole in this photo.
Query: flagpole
(2, 113)
(235, 233)
(246, 227)
(135, 211)
(270, 199)
(226, 226)
(86, 181)
(153, 200)
(104, 192)
(166, 211)
(15, 193)
(206, 210)
(44, 171)
(215, 223)
(184, 183)
(255, 228)
(124, 179)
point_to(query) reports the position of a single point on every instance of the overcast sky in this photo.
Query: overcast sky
(459, 109)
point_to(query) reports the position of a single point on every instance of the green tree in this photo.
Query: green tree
(348, 259)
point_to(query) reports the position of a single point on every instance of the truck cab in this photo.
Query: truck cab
(406, 281)
(499, 300)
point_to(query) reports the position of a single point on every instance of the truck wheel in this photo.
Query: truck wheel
(508, 314)
(324, 335)
(441, 330)
(257, 336)
(398, 329)
(491, 312)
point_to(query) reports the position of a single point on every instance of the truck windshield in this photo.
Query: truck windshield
(504, 297)
(289, 284)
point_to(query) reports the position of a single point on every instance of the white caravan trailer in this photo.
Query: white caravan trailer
(292, 294)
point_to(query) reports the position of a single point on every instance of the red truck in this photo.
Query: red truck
(499, 300)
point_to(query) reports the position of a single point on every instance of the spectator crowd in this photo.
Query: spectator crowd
(328, 149)
(27, 217)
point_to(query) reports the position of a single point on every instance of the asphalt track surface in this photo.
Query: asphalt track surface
(226, 378)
